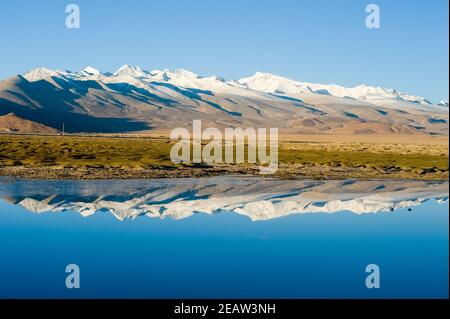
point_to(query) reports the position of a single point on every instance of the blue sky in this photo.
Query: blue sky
(322, 41)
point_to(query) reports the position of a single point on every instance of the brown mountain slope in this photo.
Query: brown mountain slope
(11, 123)
(126, 104)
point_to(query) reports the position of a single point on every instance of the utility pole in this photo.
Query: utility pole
(63, 129)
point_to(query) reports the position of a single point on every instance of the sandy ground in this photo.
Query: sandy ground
(311, 138)
(334, 138)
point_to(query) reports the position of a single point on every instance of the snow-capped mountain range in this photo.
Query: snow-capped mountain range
(267, 82)
(444, 103)
(264, 82)
(132, 99)
(258, 199)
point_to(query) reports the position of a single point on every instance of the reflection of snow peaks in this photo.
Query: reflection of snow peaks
(259, 199)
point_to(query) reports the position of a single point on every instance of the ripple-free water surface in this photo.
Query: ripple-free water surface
(223, 238)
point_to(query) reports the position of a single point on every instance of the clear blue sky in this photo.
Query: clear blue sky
(323, 41)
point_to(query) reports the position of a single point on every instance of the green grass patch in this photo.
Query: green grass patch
(148, 153)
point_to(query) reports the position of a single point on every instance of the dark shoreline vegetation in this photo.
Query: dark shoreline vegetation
(75, 157)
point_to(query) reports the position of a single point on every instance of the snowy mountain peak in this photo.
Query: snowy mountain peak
(260, 82)
(263, 76)
(92, 71)
(170, 75)
(444, 103)
(179, 73)
(185, 73)
(216, 78)
(134, 71)
(159, 75)
(39, 74)
(270, 83)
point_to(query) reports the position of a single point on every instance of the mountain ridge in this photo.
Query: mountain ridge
(11, 123)
(356, 92)
(132, 99)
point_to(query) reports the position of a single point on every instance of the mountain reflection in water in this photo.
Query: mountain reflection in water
(257, 198)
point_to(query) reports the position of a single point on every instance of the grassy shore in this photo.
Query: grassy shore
(76, 157)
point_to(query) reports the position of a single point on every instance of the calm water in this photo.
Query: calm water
(223, 238)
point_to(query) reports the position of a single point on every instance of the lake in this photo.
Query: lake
(223, 237)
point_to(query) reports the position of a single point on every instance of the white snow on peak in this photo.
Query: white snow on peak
(39, 74)
(158, 75)
(270, 83)
(188, 79)
(179, 77)
(92, 71)
(444, 103)
(260, 82)
(168, 75)
(134, 71)
(182, 73)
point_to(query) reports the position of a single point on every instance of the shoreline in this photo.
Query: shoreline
(283, 173)
(88, 158)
